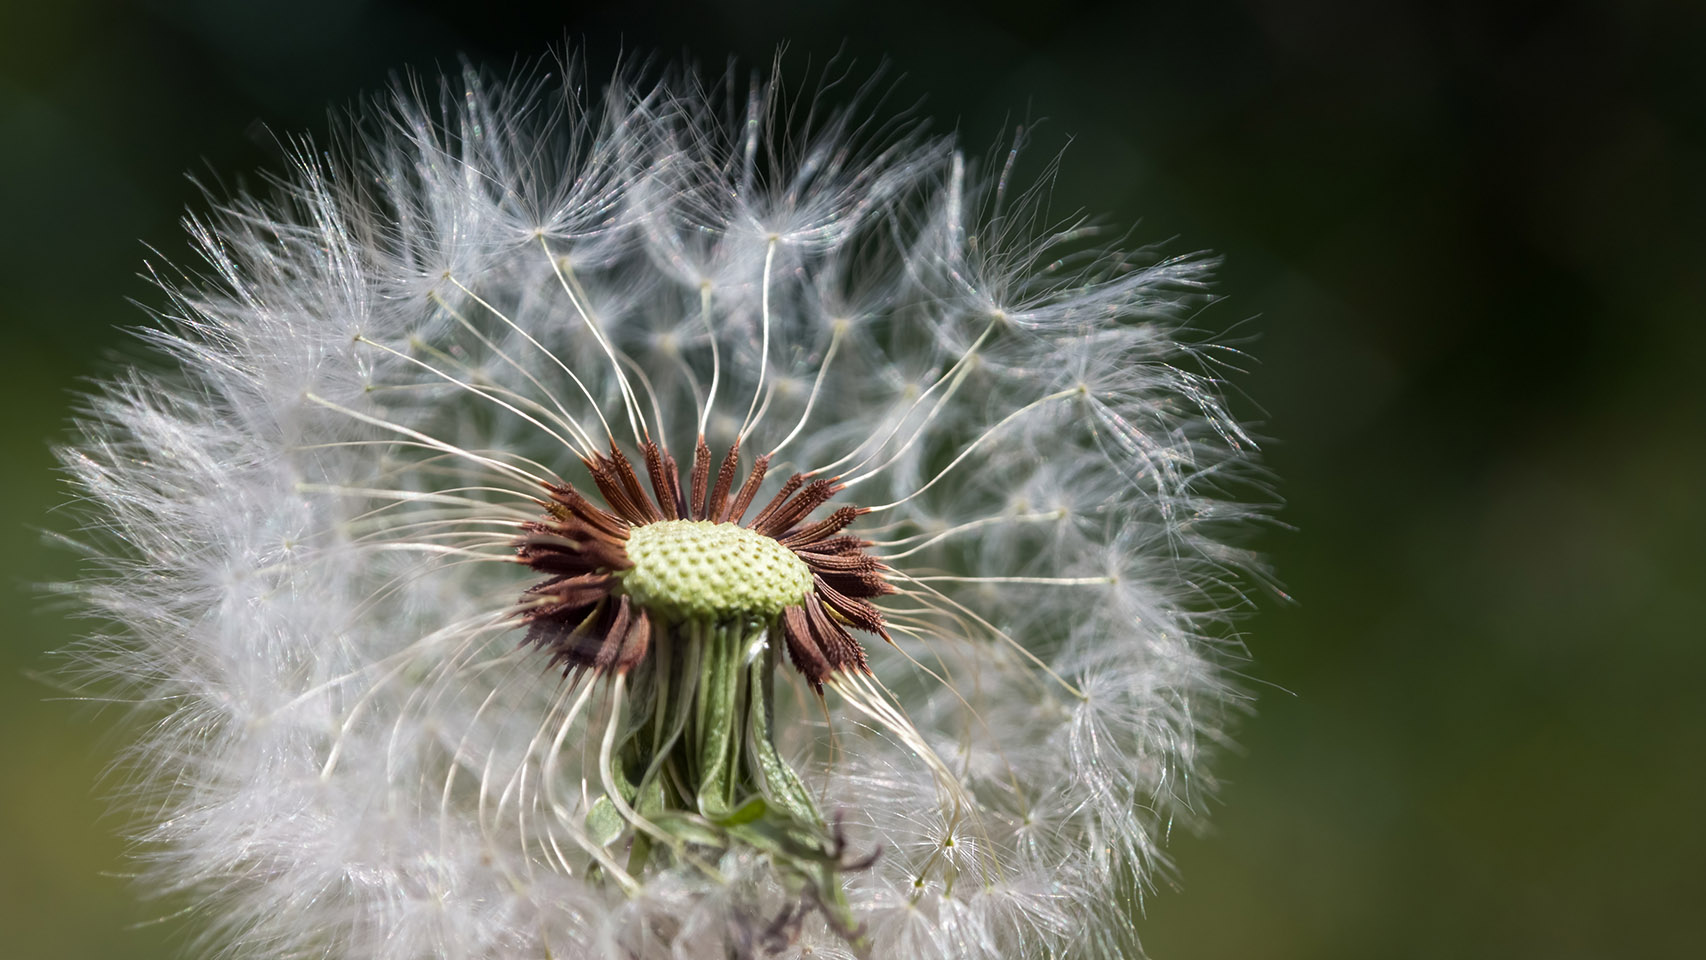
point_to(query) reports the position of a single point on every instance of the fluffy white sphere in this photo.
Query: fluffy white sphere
(306, 531)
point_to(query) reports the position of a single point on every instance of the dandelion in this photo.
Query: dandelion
(677, 522)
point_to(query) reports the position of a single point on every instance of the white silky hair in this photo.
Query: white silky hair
(300, 528)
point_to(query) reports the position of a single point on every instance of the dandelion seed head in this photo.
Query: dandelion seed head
(671, 521)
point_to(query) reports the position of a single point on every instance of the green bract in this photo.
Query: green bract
(699, 570)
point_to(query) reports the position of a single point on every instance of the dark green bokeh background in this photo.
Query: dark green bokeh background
(1474, 247)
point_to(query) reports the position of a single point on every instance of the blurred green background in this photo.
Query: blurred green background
(1470, 242)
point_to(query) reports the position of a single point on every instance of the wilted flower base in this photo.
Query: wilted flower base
(690, 769)
(683, 607)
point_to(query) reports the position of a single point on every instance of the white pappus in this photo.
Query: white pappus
(674, 521)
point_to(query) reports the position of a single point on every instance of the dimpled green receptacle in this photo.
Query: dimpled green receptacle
(699, 570)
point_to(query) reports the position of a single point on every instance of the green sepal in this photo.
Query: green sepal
(703, 736)
(747, 812)
(604, 825)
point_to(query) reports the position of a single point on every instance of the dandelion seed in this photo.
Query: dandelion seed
(914, 651)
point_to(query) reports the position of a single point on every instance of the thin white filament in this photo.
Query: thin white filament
(477, 391)
(817, 385)
(1052, 581)
(607, 772)
(635, 417)
(542, 349)
(938, 537)
(652, 395)
(997, 632)
(567, 418)
(750, 422)
(901, 420)
(992, 431)
(423, 465)
(430, 441)
(716, 355)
